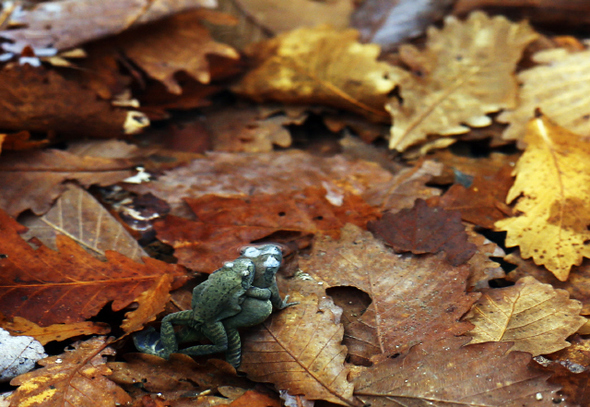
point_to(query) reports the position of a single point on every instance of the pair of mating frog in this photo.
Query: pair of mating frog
(240, 294)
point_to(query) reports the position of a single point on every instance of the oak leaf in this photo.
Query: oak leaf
(445, 373)
(425, 229)
(56, 332)
(482, 267)
(551, 195)
(533, 316)
(299, 350)
(320, 66)
(223, 224)
(151, 302)
(465, 64)
(77, 377)
(48, 287)
(413, 300)
(552, 86)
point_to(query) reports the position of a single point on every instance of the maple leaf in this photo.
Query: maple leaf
(532, 315)
(465, 72)
(320, 66)
(550, 87)
(413, 300)
(300, 350)
(445, 373)
(425, 229)
(551, 185)
(48, 287)
(226, 224)
(56, 332)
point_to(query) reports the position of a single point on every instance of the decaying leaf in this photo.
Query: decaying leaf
(56, 332)
(482, 267)
(226, 224)
(255, 399)
(425, 229)
(533, 316)
(445, 373)
(552, 195)
(465, 72)
(77, 214)
(559, 87)
(299, 349)
(77, 377)
(320, 66)
(37, 99)
(413, 300)
(48, 287)
(69, 23)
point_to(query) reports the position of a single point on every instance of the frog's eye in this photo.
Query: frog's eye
(250, 251)
(272, 249)
(229, 264)
(245, 273)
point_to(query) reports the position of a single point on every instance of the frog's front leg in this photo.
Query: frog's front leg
(167, 334)
(216, 333)
(263, 294)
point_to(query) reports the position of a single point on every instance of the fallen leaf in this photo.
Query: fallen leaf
(77, 377)
(300, 350)
(255, 399)
(19, 355)
(182, 41)
(446, 373)
(36, 99)
(33, 180)
(74, 22)
(226, 224)
(575, 387)
(533, 316)
(425, 229)
(78, 215)
(550, 87)
(20, 141)
(413, 300)
(56, 332)
(468, 64)
(482, 267)
(48, 287)
(319, 66)
(551, 197)
(576, 357)
(151, 302)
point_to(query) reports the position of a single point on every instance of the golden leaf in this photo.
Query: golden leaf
(56, 332)
(151, 303)
(321, 66)
(534, 316)
(465, 72)
(560, 88)
(552, 181)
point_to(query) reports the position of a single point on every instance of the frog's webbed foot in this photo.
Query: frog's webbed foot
(216, 333)
(284, 303)
(148, 341)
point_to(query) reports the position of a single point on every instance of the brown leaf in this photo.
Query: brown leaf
(56, 332)
(533, 316)
(20, 141)
(182, 41)
(48, 287)
(425, 229)
(255, 399)
(77, 377)
(74, 22)
(226, 224)
(78, 215)
(413, 299)
(33, 180)
(320, 66)
(300, 350)
(36, 99)
(468, 64)
(482, 268)
(576, 358)
(445, 373)
(151, 302)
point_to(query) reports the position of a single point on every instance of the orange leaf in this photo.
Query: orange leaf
(56, 332)
(151, 303)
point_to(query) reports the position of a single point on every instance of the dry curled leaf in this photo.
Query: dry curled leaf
(299, 350)
(320, 66)
(425, 229)
(77, 377)
(533, 316)
(151, 302)
(465, 64)
(552, 199)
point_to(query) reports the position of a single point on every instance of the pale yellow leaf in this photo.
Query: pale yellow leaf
(534, 316)
(553, 190)
(56, 332)
(465, 72)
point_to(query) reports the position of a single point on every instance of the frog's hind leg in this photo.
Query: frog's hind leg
(233, 356)
(167, 334)
(215, 332)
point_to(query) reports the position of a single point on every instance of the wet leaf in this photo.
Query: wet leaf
(551, 199)
(151, 302)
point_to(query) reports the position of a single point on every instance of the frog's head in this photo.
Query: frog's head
(244, 268)
(268, 256)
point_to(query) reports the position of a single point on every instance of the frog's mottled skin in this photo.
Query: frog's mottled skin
(221, 305)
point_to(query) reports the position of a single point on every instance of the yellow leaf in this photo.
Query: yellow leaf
(56, 332)
(553, 183)
(465, 72)
(321, 66)
(151, 303)
(534, 316)
(560, 88)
